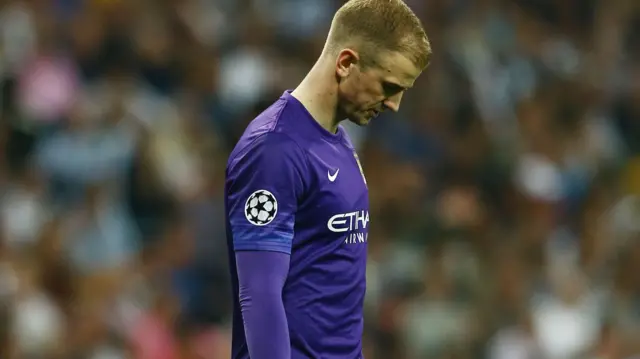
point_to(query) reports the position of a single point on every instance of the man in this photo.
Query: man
(296, 197)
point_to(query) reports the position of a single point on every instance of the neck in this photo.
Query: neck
(318, 93)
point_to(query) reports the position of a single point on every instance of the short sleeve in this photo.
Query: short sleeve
(263, 186)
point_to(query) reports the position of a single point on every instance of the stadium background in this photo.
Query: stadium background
(504, 195)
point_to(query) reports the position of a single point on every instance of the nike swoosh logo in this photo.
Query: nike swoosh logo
(334, 176)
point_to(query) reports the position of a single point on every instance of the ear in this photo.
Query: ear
(345, 62)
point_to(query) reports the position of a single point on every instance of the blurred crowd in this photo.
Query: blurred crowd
(504, 194)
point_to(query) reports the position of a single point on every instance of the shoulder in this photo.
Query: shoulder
(270, 145)
(271, 130)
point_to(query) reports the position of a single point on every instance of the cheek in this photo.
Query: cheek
(370, 93)
(350, 92)
(358, 94)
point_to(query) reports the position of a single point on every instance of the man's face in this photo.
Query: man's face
(365, 92)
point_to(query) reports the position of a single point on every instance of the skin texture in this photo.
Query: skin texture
(340, 88)
(365, 92)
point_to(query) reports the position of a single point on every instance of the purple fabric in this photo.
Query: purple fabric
(295, 188)
(261, 277)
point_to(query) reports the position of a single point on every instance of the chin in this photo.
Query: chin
(360, 120)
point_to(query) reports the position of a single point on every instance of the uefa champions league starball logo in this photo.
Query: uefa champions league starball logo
(261, 207)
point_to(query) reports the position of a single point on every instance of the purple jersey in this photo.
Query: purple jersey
(294, 187)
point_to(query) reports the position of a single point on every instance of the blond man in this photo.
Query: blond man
(296, 197)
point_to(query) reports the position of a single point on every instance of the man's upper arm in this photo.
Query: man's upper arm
(264, 185)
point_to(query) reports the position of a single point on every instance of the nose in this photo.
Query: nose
(393, 102)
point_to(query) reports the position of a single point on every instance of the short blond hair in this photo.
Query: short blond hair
(369, 26)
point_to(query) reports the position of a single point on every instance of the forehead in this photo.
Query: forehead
(398, 68)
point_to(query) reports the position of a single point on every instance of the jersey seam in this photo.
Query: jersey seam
(262, 246)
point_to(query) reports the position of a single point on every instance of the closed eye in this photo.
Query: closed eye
(391, 89)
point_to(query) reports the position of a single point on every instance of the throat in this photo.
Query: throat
(320, 101)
